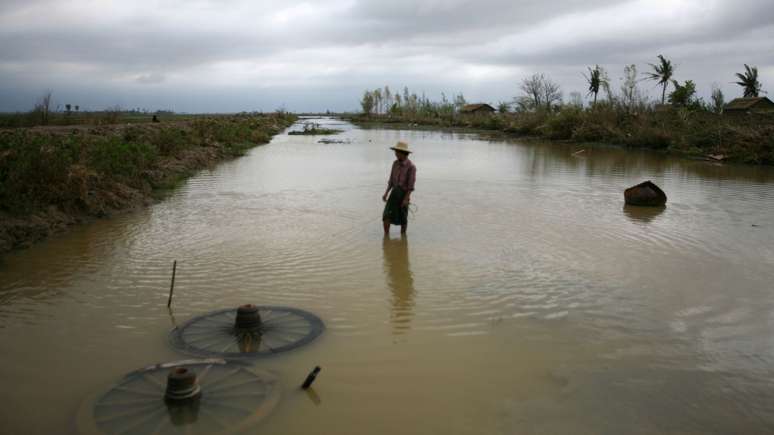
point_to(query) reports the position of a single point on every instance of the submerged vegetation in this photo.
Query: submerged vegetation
(313, 128)
(51, 176)
(686, 125)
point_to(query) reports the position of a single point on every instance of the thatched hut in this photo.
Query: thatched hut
(477, 109)
(749, 105)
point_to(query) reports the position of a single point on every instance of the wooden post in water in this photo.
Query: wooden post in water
(172, 286)
(309, 379)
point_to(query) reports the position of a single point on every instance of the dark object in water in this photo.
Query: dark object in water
(645, 194)
(331, 141)
(193, 397)
(249, 331)
(182, 386)
(309, 379)
(172, 285)
(247, 318)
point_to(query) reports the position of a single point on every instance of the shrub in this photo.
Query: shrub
(561, 125)
(591, 130)
(648, 137)
(112, 155)
(170, 140)
(31, 168)
(527, 123)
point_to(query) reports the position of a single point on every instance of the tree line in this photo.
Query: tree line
(539, 92)
(382, 101)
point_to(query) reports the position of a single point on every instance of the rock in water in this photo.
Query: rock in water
(645, 194)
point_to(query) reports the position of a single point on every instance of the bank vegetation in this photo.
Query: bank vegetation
(52, 177)
(680, 122)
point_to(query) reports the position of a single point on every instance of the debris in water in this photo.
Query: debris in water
(192, 397)
(309, 379)
(330, 141)
(247, 332)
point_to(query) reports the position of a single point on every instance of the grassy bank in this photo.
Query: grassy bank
(736, 138)
(52, 177)
(103, 117)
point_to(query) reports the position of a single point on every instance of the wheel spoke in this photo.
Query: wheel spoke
(225, 376)
(231, 406)
(232, 395)
(149, 416)
(282, 329)
(127, 413)
(212, 390)
(148, 378)
(213, 417)
(133, 391)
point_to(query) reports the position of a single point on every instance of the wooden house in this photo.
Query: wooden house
(477, 109)
(749, 105)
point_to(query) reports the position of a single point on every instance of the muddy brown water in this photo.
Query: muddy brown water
(526, 298)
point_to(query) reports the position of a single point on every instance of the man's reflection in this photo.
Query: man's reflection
(400, 281)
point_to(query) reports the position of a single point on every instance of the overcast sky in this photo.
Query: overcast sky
(228, 56)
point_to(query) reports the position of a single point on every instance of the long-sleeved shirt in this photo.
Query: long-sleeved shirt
(403, 174)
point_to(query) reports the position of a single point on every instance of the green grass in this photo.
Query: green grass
(69, 168)
(32, 119)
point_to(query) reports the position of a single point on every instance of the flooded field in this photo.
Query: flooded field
(526, 299)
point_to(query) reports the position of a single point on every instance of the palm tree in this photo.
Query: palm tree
(597, 80)
(662, 73)
(749, 81)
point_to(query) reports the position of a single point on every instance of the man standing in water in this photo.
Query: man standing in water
(399, 188)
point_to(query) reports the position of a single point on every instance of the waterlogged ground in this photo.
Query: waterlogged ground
(526, 298)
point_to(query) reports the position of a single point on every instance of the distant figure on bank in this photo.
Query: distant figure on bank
(399, 188)
(155, 118)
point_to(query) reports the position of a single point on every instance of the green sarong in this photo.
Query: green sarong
(393, 212)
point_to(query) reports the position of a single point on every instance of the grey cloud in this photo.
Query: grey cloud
(151, 79)
(427, 45)
(404, 19)
(140, 49)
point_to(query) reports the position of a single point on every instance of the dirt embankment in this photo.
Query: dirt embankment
(52, 178)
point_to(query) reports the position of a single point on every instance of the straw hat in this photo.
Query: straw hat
(401, 146)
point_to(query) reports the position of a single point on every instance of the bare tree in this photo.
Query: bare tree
(576, 99)
(540, 92)
(387, 98)
(630, 93)
(378, 99)
(397, 106)
(43, 106)
(718, 99)
(532, 87)
(551, 94)
(459, 102)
